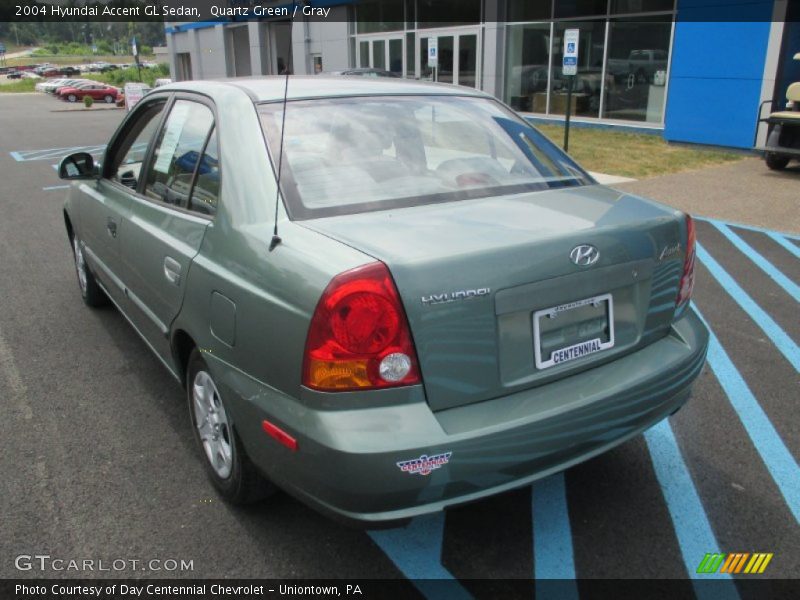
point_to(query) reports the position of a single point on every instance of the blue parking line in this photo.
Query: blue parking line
(767, 324)
(792, 236)
(792, 248)
(553, 555)
(791, 287)
(417, 551)
(689, 519)
(768, 443)
(48, 153)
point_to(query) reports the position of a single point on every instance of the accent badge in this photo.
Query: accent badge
(425, 464)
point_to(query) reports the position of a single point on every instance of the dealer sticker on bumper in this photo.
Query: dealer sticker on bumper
(425, 464)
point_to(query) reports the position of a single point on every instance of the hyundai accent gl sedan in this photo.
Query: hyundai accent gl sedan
(446, 307)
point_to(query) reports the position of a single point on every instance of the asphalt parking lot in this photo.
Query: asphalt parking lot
(98, 458)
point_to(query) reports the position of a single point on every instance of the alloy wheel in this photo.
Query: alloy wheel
(80, 265)
(212, 424)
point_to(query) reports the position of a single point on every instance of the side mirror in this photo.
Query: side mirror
(77, 166)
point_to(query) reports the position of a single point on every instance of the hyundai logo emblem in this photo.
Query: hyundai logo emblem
(584, 255)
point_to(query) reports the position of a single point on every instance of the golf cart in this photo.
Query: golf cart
(783, 129)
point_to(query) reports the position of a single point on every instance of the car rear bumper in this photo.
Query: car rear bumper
(347, 460)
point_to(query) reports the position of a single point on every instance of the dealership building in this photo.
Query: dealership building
(692, 70)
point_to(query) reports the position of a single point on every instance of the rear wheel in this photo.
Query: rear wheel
(776, 162)
(91, 292)
(109, 98)
(227, 465)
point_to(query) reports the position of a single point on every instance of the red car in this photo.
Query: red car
(98, 91)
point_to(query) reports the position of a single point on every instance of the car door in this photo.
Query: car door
(169, 216)
(105, 202)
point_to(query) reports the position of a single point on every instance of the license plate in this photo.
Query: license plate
(593, 339)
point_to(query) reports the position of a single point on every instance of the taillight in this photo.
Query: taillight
(687, 279)
(359, 336)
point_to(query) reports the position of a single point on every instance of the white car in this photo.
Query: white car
(51, 85)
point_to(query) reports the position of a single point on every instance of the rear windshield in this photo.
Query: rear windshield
(353, 155)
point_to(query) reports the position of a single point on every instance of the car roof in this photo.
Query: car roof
(271, 88)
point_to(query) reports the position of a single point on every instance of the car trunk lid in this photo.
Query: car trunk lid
(474, 275)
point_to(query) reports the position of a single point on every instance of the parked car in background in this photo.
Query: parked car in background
(77, 83)
(362, 72)
(39, 87)
(70, 71)
(51, 85)
(30, 75)
(98, 91)
(447, 307)
(14, 74)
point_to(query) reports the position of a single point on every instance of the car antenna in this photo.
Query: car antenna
(276, 239)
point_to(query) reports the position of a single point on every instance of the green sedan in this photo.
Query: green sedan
(384, 297)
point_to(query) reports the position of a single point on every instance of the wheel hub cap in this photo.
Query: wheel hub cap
(212, 424)
(80, 265)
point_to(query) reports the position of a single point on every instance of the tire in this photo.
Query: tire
(776, 162)
(91, 292)
(109, 98)
(227, 465)
(72, 98)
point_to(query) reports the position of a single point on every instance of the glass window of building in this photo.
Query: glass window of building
(445, 13)
(410, 49)
(587, 84)
(565, 9)
(528, 64)
(375, 16)
(638, 55)
(529, 10)
(640, 6)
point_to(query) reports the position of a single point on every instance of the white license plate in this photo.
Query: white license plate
(574, 351)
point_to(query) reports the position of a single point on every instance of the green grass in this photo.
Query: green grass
(633, 155)
(18, 86)
(122, 76)
(72, 59)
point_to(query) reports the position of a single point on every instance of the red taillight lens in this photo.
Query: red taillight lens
(687, 279)
(359, 336)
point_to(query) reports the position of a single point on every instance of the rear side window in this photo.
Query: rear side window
(177, 152)
(205, 193)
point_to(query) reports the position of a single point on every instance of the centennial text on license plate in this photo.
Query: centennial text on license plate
(583, 347)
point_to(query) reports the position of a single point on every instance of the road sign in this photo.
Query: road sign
(433, 52)
(570, 62)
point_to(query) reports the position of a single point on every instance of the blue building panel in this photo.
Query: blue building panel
(720, 112)
(717, 73)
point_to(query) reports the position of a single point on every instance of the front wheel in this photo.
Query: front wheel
(91, 292)
(776, 162)
(72, 98)
(227, 465)
(109, 99)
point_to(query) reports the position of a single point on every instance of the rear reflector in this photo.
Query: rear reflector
(280, 435)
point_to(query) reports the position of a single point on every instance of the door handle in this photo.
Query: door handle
(111, 225)
(172, 270)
